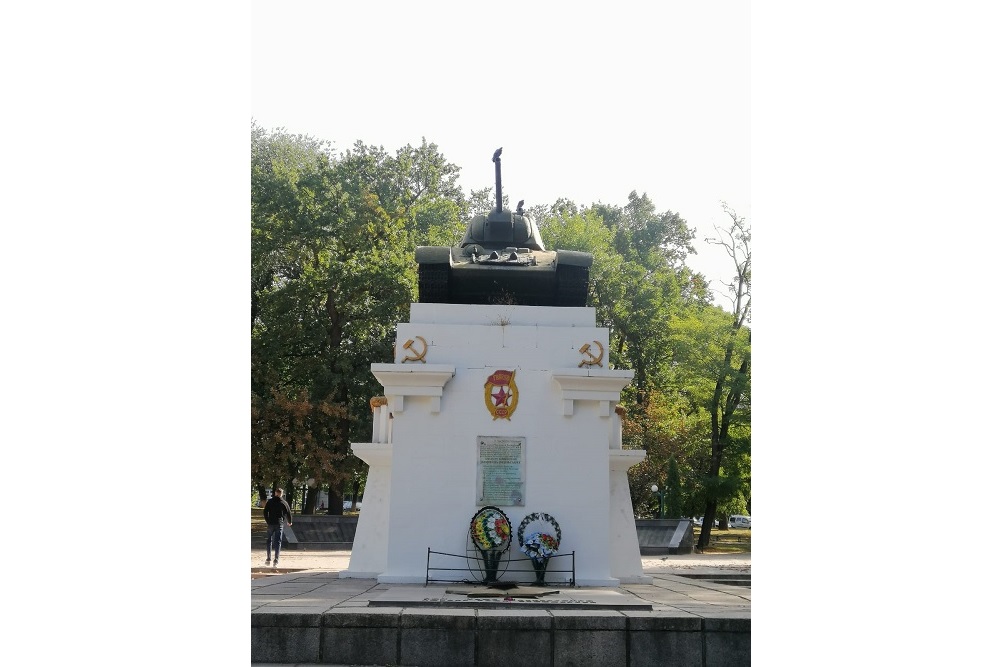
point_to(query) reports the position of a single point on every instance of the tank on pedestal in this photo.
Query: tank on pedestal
(502, 260)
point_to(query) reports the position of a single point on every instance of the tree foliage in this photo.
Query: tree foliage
(682, 348)
(333, 271)
(728, 358)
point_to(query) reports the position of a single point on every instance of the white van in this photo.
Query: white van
(739, 521)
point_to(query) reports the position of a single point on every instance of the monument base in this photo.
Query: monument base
(481, 597)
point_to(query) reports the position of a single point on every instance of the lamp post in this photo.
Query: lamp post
(655, 489)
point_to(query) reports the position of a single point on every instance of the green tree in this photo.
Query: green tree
(332, 273)
(646, 289)
(644, 235)
(673, 489)
(285, 170)
(643, 292)
(484, 200)
(729, 401)
(415, 184)
(328, 279)
(668, 429)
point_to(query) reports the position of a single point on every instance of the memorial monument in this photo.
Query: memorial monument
(499, 395)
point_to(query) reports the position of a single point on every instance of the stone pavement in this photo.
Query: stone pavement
(687, 596)
(323, 559)
(310, 580)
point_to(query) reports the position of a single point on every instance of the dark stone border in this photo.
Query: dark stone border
(486, 637)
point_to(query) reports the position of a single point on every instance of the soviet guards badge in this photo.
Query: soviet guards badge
(501, 394)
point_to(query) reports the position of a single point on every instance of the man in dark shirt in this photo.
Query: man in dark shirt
(276, 510)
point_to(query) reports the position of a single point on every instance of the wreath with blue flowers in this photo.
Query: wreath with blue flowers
(539, 545)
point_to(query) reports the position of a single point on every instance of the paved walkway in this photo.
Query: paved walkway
(322, 559)
(309, 582)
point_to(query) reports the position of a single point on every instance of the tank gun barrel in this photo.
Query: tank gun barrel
(496, 163)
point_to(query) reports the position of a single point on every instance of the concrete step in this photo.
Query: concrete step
(731, 579)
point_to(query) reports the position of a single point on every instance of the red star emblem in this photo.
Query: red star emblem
(501, 397)
(501, 394)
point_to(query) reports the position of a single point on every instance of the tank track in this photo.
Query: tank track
(571, 290)
(432, 283)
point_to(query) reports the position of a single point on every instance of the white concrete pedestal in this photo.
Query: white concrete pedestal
(439, 403)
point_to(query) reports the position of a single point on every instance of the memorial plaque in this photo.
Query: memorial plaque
(500, 471)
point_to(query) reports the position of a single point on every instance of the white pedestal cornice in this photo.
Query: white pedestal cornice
(400, 381)
(373, 453)
(585, 384)
(623, 459)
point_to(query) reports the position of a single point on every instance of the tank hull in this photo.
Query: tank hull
(547, 278)
(502, 260)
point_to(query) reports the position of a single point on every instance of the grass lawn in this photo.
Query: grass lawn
(732, 541)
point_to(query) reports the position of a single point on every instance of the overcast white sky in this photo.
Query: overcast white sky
(588, 102)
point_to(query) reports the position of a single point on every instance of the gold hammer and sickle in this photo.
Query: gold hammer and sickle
(408, 345)
(593, 361)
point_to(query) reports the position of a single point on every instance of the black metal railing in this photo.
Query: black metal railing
(510, 570)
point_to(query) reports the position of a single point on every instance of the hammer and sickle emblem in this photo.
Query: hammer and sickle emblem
(593, 361)
(419, 356)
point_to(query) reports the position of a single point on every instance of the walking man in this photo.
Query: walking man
(276, 510)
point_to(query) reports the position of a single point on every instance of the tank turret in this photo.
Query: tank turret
(502, 259)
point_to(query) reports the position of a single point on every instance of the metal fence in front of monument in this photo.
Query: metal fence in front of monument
(506, 570)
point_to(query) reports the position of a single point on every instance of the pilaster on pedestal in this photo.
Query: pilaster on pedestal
(623, 540)
(371, 541)
(586, 384)
(400, 381)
